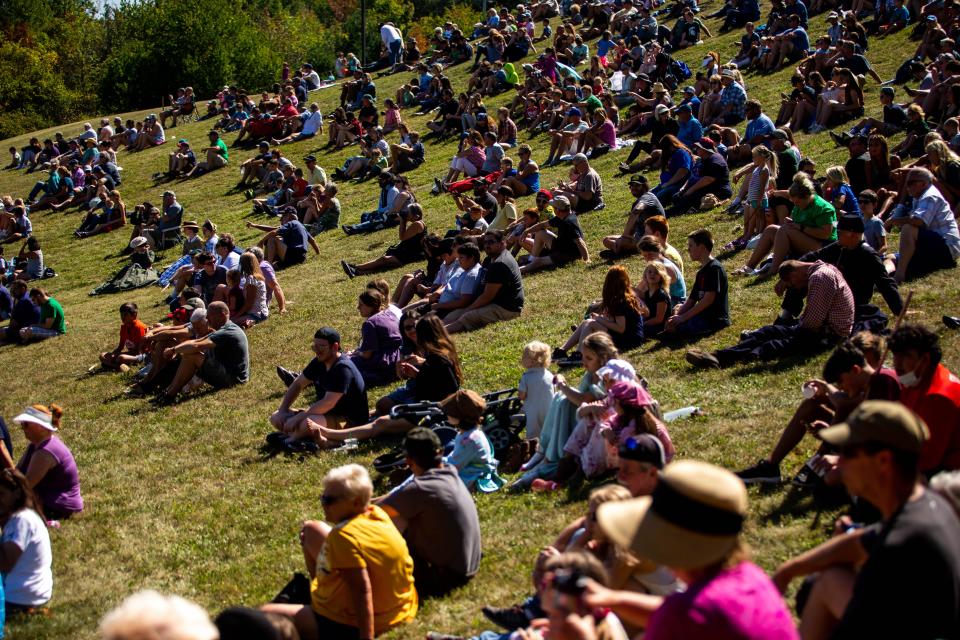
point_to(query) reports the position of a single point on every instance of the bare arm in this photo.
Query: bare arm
(841, 550)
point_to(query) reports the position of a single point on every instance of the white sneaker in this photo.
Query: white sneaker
(532, 462)
(194, 384)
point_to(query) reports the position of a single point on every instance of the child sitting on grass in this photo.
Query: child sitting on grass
(874, 233)
(132, 333)
(235, 296)
(472, 454)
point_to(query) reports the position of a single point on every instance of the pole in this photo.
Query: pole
(363, 32)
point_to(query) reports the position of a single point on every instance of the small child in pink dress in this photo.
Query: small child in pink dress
(633, 406)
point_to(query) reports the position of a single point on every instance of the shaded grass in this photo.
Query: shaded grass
(179, 499)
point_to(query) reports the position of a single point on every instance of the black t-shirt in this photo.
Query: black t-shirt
(715, 167)
(652, 299)
(487, 201)
(895, 114)
(787, 167)
(856, 63)
(208, 284)
(712, 277)
(910, 585)
(659, 129)
(343, 377)
(805, 92)
(857, 172)
(504, 271)
(568, 232)
(437, 379)
(368, 115)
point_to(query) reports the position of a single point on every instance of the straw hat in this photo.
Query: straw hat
(692, 520)
(659, 88)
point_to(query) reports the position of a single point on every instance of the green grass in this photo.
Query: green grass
(178, 499)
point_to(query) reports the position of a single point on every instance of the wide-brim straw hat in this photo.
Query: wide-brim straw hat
(693, 519)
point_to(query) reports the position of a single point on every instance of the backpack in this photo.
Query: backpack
(680, 69)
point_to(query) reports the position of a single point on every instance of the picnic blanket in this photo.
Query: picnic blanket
(132, 276)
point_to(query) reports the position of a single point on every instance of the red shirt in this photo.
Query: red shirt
(938, 403)
(131, 336)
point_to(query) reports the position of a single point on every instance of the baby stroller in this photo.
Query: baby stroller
(503, 421)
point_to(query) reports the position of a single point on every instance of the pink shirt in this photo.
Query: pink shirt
(736, 604)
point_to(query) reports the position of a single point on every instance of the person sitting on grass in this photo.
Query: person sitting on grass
(412, 232)
(555, 248)
(312, 120)
(47, 463)
(29, 261)
(24, 313)
(379, 350)
(221, 359)
(25, 556)
(472, 454)
(341, 391)
(618, 314)
(182, 159)
(432, 508)
(361, 572)
(826, 319)
(501, 296)
(917, 540)
(286, 245)
(432, 374)
(645, 205)
(850, 375)
(460, 290)
(132, 333)
(811, 225)
(52, 321)
(707, 309)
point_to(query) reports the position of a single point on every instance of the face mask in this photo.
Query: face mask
(909, 379)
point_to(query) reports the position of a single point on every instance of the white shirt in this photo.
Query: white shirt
(231, 262)
(313, 79)
(390, 34)
(312, 122)
(30, 581)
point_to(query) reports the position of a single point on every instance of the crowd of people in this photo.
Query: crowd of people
(660, 551)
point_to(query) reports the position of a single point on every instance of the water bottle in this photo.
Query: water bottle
(685, 412)
(350, 444)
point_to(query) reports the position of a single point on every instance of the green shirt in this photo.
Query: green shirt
(593, 103)
(222, 148)
(819, 213)
(52, 309)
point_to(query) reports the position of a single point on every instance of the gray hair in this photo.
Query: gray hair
(947, 484)
(198, 315)
(257, 251)
(919, 173)
(354, 479)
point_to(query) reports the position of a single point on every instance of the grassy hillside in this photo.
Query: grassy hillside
(178, 498)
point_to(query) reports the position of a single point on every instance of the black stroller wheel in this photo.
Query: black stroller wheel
(500, 438)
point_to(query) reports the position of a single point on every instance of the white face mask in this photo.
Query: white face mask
(909, 379)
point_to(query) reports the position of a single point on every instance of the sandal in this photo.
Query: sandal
(745, 270)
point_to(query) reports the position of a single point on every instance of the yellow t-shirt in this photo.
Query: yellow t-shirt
(674, 256)
(369, 541)
(505, 215)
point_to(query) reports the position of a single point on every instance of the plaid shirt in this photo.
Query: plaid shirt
(830, 304)
(736, 97)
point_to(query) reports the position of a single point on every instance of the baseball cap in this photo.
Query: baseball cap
(643, 448)
(779, 134)
(689, 90)
(580, 157)
(706, 144)
(684, 108)
(310, 158)
(638, 179)
(421, 442)
(561, 201)
(727, 73)
(574, 112)
(661, 109)
(880, 422)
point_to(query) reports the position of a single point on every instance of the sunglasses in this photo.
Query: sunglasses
(327, 500)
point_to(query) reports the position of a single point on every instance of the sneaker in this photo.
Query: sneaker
(702, 359)
(543, 486)
(509, 618)
(842, 139)
(558, 354)
(348, 269)
(764, 472)
(951, 322)
(286, 376)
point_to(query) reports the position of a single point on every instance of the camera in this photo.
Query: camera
(571, 583)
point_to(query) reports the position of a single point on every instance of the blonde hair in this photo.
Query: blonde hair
(769, 157)
(148, 615)
(354, 479)
(538, 353)
(837, 175)
(802, 186)
(665, 279)
(942, 151)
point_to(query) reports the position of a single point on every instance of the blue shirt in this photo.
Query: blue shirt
(680, 159)
(762, 125)
(734, 96)
(604, 46)
(690, 132)
(850, 205)
(801, 41)
(798, 9)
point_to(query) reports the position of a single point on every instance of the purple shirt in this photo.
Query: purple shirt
(59, 489)
(736, 604)
(380, 333)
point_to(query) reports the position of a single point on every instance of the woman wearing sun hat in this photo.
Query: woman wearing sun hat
(692, 524)
(48, 463)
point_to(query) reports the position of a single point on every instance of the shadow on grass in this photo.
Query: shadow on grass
(800, 502)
